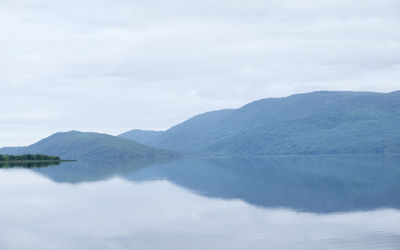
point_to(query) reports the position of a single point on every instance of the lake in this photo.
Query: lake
(324, 202)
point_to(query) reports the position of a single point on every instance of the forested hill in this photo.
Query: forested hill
(314, 123)
(91, 146)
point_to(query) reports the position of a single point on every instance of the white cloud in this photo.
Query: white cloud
(116, 65)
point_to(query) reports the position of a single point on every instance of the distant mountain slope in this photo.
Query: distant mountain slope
(314, 123)
(91, 146)
(142, 136)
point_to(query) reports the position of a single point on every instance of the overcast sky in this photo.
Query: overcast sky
(114, 65)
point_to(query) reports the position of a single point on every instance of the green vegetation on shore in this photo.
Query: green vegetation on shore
(28, 157)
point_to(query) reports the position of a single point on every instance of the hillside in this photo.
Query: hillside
(143, 136)
(91, 146)
(313, 123)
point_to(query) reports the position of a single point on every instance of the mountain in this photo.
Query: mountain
(142, 136)
(91, 146)
(321, 122)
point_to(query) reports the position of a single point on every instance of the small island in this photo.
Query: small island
(28, 160)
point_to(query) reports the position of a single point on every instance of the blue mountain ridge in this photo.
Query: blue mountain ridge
(75, 145)
(323, 122)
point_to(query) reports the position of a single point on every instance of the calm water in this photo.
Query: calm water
(342, 202)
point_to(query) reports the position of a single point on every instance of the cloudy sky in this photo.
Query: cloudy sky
(115, 65)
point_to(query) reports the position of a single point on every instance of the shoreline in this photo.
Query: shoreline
(36, 161)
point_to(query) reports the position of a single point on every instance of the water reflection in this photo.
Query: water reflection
(31, 164)
(323, 184)
(91, 171)
(258, 203)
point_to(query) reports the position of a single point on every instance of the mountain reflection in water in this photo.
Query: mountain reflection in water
(319, 184)
(30, 164)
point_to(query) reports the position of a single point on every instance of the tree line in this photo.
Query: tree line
(29, 157)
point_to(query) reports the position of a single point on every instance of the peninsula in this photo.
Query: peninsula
(28, 160)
